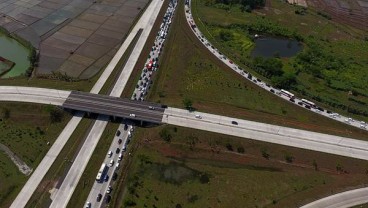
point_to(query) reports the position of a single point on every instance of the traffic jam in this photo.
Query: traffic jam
(145, 80)
(280, 92)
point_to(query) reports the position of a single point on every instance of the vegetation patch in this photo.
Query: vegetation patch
(331, 66)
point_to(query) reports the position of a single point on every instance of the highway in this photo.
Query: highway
(246, 75)
(72, 178)
(139, 93)
(33, 95)
(32, 183)
(341, 200)
(113, 106)
(268, 133)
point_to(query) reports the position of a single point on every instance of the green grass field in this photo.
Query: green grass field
(25, 131)
(188, 70)
(11, 180)
(197, 169)
(344, 49)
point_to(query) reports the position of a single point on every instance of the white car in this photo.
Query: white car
(111, 163)
(117, 165)
(132, 115)
(109, 189)
(88, 205)
(109, 154)
(120, 157)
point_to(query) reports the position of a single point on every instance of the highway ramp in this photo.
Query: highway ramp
(268, 133)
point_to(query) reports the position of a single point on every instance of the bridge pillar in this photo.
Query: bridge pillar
(141, 123)
(88, 114)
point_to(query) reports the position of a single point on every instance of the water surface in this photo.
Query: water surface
(15, 52)
(270, 46)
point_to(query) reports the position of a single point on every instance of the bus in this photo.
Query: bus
(101, 173)
(287, 94)
(307, 102)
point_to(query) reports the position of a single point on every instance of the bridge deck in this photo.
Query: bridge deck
(114, 106)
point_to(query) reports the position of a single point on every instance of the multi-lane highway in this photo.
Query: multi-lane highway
(33, 95)
(268, 133)
(114, 106)
(341, 200)
(146, 21)
(72, 178)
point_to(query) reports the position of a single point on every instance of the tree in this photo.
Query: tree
(225, 35)
(188, 104)
(56, 115)
(265, 153)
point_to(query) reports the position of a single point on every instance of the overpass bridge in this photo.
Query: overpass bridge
(87, 102)
(114, 106)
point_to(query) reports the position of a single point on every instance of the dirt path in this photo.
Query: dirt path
(22, 166)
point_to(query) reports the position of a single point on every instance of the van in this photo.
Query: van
(117, 165)
(120, 157)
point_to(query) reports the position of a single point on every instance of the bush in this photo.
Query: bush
(129, 203)
(241, 150)
(56, 115)
(165, 135)
(229, 147)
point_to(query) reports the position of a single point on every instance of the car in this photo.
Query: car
(118, 133)
(117, 150)
(106, 178)
(292, 100)
(234, 122)
(120, 156)
(231, 62)
(117, 165)
(132, 115)
(109, 189)
(300, 103)
(129, 134)
(198, 116)
(99, 197)
(124, 148)
(125, 127)
(88, 205)
(151, 107)
(109, 154)
(108, 199)
(271, 90)
(119, 141)
(111, 163)
(132, 129)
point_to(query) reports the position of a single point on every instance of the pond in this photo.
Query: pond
(15, 52)
(269, 46)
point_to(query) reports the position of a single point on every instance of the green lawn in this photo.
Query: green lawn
(188, 70)
(11, 180)
(342, 46)
(197, 170)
